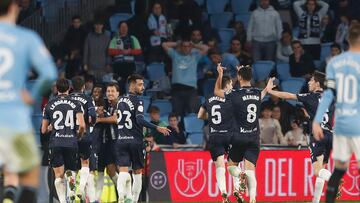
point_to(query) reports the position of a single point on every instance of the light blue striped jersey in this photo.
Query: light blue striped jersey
(21, 50)
(343, 75)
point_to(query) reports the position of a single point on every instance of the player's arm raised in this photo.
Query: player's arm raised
(217, 90)
(283, 95)
(202, 114)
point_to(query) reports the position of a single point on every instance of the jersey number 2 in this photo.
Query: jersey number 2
(128, 122)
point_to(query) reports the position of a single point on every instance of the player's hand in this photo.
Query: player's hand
(26, 97)
(164, 131)
(220, 69)
(317, 131)
(270, 85)
(49, 128)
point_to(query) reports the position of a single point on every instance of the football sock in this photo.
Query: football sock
(99, 185)
(250, 174)
(319, 185)
(90, 188)
(60, 189)
(333, 184)
(137, 186)
(234, 171)
(324, 174)
(220, 178)
(121, 183)
(84, 175)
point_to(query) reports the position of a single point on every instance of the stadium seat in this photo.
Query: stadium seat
(240, 6)
(296, 32)
(165, 119)
(216, 6)
(294, 86)
(155, 71)
(225, 34)
(192, 124)
(262, 69)
(196, 138)
(317, 64)
(36, 121)
(200, 2)
(164, 106)
(116, 18)
(208, 86)
(325, 50)
(244, 18)
(283, 71)
(220, 20)
(146, 101)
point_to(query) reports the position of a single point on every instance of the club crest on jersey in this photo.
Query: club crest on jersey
(140, 108)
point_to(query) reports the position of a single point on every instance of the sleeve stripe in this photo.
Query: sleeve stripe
(330, 84)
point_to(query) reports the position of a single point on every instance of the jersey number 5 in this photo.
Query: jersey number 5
(216, 115)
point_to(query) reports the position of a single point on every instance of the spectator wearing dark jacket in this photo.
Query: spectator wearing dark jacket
(75, 36)
(301, 63)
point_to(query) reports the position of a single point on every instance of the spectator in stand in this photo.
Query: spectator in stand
(189, 16)
(26, 9)
(335, 50)
(213, 43)
(157, 24)
(301, 63)
(240, 31)
(270, 129)
(95, 59)
(295, 136)
(196, 36)
(310, 13)
(159, 138)
(227, 60)
(185, 57)
(236, 49)
(177, 134)
(74, 37)
(328, 30)
(89, 84)
(282, 110)
(342, 32)
(283, 49)
(264, 30)
(124, 49)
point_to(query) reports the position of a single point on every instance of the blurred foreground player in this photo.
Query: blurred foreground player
(218, 112)
(20, 50)
(342, 82)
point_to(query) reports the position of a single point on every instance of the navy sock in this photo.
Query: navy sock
(333, 184)
(26, 195)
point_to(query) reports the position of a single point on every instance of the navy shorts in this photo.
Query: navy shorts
(322, 147)
(84, 149)
(244, 147)
(219, 145)
(106, 155)
(130, 154)
(66, 156)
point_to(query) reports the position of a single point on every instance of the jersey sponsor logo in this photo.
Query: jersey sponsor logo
(190, 178)
(126, 137)
(158, 180)
(243, 130)
(57, 134)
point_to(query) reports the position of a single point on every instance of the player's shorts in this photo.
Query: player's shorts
(130, 154)
(244, 147)
(18, 151)
(322, 147)
(345, 146)
(219, 145)
(84, 149)
(106, 155)
(64, 156)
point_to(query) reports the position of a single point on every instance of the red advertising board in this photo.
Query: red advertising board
(282, 175)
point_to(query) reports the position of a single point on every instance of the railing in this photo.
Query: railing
(52, 20)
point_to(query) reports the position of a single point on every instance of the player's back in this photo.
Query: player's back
(61, 114)
(20, 49)
(246, 104)
(220, 112)
(88, 106)
(129, 106)
(345, 70)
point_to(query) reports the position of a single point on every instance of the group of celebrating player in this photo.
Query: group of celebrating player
(234, 128)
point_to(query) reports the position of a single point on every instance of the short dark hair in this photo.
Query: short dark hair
(354, 33)
(77, 83)
(172, 115)
(319, 77)
(154, 109)
(5, 5)
(267, 106)
(236, 38)
(296, 42)
(213, 52)
(245, 72)
(225, 81)
(76, 17)
(335, 45)
(121, 22)
(113, 84)
(132, 78)
(62, 85)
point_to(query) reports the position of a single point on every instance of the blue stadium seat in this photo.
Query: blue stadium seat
(200, 2)
(36, 121)
(294, 86)
(216, 6)
(262, 69)
(116, 18)
(208, 86)
(192, 124)
(146, 100)
(196, 138)
(325, 50)
(283, 71)
(317, 64)
(296, 32)
(164, 106)
(244, 18)
(225, 34)
(155, 71)
(220, 20)
(240, 6)
(164, 118)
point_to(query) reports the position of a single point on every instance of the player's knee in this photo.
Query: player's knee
(220, 162)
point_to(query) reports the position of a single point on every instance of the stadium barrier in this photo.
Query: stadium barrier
(282, 175)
